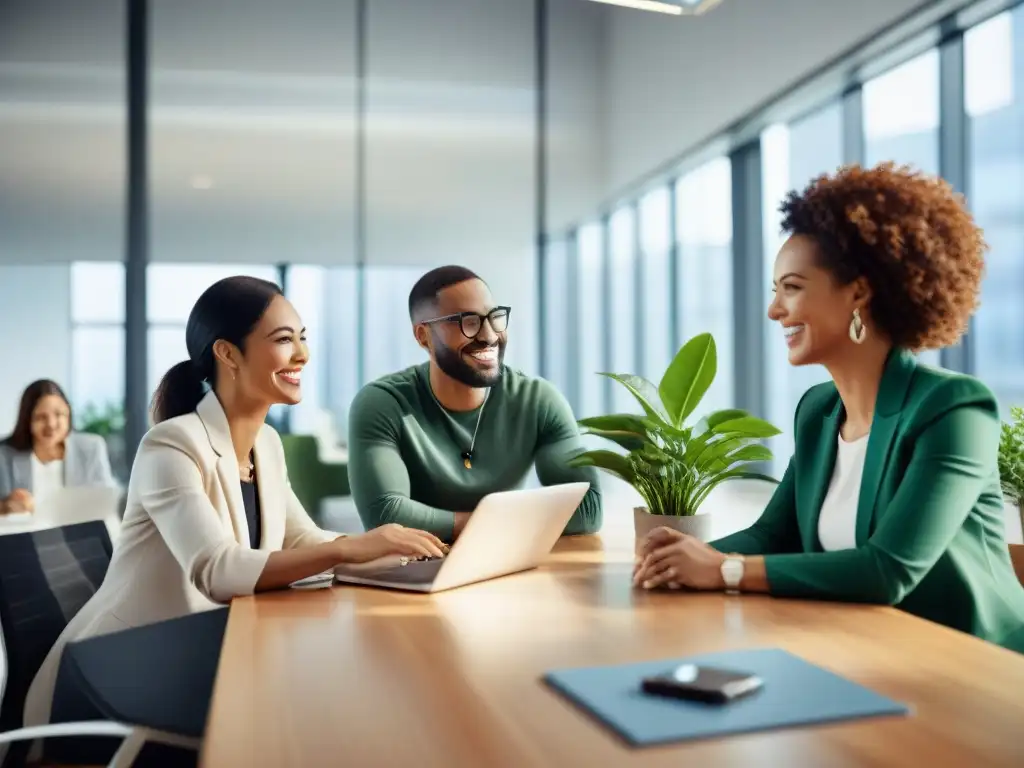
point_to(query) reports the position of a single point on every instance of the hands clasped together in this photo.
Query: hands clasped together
(672, 559)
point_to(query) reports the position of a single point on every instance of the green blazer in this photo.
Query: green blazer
(930, 528)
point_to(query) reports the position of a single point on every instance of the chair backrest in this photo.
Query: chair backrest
(1017, 558)
(46, 577)
(311, 479)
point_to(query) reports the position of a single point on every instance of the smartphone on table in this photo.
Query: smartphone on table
(711, 685)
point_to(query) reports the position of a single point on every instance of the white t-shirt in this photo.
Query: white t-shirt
(46, 478)
(837, 525)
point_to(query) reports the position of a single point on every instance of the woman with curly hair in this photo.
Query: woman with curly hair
(892, 495)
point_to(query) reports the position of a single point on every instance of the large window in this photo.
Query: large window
(792, 155)
(388, 341)
(655, 252)
(994, 72)
(620, 322)
(171, 292)
(558, 324)
(901, 122)
(591, 321)
(704, 228)
(62, 201)
(97, 335)
(306, 289)
(901, 114)
(341, 341)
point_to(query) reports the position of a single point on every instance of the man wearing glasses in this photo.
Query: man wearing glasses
(427, 443)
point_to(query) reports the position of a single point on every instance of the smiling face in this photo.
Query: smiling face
(270, 370)
(813, 309)
(51, 421)
(475, 362)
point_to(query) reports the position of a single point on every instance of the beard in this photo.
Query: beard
(452, 364)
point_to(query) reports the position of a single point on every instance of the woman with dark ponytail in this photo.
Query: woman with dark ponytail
(210, 513)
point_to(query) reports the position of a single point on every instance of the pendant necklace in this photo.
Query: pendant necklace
(467, 456)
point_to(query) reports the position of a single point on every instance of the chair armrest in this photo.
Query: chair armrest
(56, 730)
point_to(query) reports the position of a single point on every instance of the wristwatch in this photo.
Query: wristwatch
(732, 573)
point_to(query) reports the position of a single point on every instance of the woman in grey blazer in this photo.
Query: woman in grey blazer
(43, 455)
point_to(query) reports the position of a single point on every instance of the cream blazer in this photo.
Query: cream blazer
(184, 541)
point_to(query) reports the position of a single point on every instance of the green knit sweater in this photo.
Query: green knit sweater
(406, 456)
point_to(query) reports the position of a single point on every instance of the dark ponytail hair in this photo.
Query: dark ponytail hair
(229, 309)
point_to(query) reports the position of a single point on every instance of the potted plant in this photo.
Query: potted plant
(108, 422)
(1011, 461)
(673, 466)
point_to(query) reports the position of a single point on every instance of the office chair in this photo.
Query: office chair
(312, 479)
(46, 577)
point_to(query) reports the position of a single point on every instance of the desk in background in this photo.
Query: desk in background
(42, 518)
(375, 678)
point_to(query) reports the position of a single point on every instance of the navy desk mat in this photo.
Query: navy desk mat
(795, 693)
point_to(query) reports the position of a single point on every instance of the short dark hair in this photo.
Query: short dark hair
(909, 234)
(229, 309)
(436, 280)
(21, 438)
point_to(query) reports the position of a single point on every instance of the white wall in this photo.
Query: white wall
(35, 310)
(675, 82)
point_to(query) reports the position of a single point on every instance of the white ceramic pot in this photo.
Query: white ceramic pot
(698, 526)
(1014, 519)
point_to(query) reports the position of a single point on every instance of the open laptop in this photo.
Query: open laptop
(508, 532)
(68, 506)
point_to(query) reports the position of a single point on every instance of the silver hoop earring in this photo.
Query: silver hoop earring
(858, 331)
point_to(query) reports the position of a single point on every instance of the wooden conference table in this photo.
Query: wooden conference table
(365, 677)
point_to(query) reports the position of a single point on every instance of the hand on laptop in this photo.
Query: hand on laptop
(390, 539)
(20, 500)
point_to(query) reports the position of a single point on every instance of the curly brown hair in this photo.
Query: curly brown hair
(909, 235)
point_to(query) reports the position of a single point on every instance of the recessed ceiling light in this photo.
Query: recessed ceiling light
(674, 7)
(201, 181)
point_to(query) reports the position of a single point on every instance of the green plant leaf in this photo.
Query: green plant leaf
(667, 432)
(652, 455)
(706, 450)
(644, 391)
(1011, 457)
(617, 422)
(688, 377)
(750, 453)
(629, 430)
(609, 461)
(717, 480)
(627, 440)
(733, 457)
(750, 426)
(720, 417)
(755, 476)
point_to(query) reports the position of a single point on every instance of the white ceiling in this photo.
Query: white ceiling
(679, 84)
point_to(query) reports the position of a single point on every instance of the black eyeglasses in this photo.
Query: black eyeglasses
(471, 323)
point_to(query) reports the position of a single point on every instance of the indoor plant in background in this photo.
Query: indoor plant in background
(108, 422)
(1011, 461)
(672, 466)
